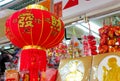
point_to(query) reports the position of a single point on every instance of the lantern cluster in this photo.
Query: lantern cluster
(89, 45)
(110, 39)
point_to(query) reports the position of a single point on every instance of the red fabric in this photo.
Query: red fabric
(71, 3)
(34, 61)
(34, 27)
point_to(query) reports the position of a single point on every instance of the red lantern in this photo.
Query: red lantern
(34, 30)
(34, 27)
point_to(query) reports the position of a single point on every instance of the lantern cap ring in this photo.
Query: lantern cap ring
(36, 6)
(33, 47)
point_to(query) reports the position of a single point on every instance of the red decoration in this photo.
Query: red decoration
(34, 27)
(103, 49)
(71, 3)
(34, 30)
(109, 41)
(89, 45)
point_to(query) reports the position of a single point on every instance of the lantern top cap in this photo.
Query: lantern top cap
(36, 6)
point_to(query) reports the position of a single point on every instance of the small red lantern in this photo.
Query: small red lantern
(34, 30)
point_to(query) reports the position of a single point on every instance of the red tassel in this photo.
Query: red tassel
(34, 61)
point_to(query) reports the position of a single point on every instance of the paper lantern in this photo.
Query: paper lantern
(34, 30)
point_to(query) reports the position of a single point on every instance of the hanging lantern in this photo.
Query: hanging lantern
(34, 30)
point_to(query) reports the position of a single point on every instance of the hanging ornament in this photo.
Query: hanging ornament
(89, 42)
(34, 30)
(109, 37)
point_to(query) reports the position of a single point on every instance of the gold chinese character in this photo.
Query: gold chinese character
(56, 24)
(21, 22)
(29, 18)
(25, 20)
(28, 23)
(54, 21)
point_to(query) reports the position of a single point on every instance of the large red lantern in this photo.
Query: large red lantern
(34, 30)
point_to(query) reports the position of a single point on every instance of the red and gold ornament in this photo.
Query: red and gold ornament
(34, 30)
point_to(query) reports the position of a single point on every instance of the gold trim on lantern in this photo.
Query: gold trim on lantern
(42, 27)
(33, 47)
(52, 43)
(47, 36)
(36, 6)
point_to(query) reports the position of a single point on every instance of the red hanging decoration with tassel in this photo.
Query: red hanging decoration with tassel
(34, 30)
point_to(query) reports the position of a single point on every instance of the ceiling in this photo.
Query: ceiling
(16, 4)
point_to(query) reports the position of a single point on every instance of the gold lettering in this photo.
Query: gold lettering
(29, 17)
(25, 20)
(54, 21)
(21, 22)
(28, 23)
(56, 24)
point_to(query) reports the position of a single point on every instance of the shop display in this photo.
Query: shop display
(74, 49)
(89, 45)
(89, 42)
(45, 56)
(106, 67)
(54, 55)
(109, 38)
(63, 51)
(75, 69)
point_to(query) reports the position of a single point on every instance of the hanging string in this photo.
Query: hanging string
(110, 21)
(87, 21)
(74, 33)
(89, 29)
(104, 22)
